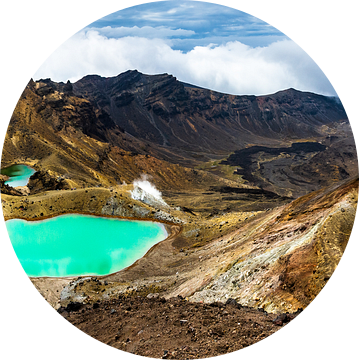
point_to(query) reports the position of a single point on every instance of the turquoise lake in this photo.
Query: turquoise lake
(73, 245)
(19, 175)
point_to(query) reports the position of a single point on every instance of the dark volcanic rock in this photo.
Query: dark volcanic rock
(67, 87)
(281, 319)
(233, 302)
(124, 99)
(229, 189)
(246, 158)
(243, 157)
(42, 180)
(71, 307)
(8, 190)
(164, 111)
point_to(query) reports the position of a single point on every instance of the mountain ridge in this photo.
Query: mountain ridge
(171, 114)
(113, 93)
(98, 128)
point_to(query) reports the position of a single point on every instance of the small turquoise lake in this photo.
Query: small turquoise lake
(19, 175)
(74, 245)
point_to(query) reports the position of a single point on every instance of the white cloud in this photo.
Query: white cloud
(145, 31)
(154, 16)
(231, 68)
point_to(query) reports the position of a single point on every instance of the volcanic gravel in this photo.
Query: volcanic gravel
(174, 328)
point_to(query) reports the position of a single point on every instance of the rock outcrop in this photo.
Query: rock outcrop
(281, 262)
(46, 180)
(8, 190)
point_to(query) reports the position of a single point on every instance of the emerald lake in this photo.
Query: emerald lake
(73, 245)
(19, 175)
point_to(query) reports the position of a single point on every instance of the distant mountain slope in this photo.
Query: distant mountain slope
(71, 143)
(163, 111)
(108, 130)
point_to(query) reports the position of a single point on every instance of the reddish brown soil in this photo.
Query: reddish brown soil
(173, 329)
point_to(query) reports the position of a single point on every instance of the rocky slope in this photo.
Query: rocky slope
(63, 137)
(284, 261)
(189, 125)
(163, 111)
(6, 189)
(181, 330)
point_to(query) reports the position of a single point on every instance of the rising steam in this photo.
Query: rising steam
(146, 192)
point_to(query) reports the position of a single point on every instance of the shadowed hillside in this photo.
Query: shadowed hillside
(199, 122)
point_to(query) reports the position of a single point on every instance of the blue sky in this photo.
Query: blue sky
(203, 24)
(204, 44)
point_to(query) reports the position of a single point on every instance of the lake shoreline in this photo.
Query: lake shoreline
(171, 230)
(39, 218)
(18, 174)
(102, 202)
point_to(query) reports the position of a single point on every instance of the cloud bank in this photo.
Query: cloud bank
(232, 67)
(161, 32)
